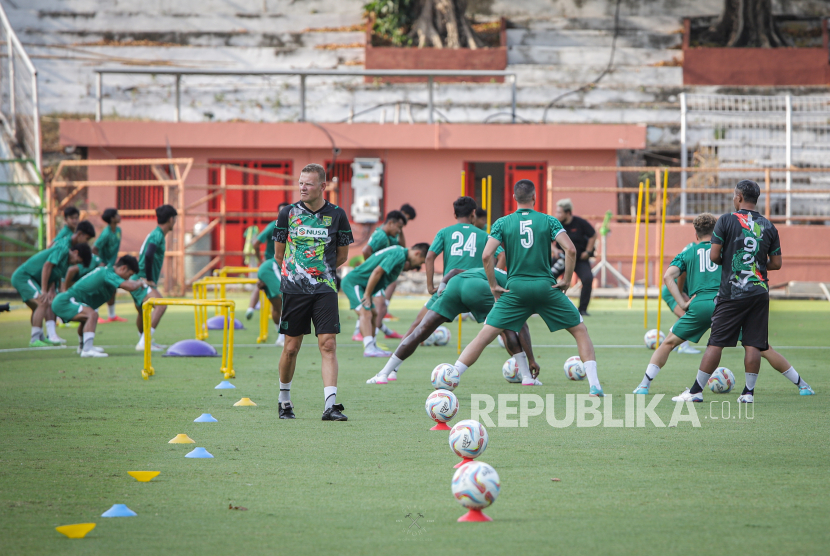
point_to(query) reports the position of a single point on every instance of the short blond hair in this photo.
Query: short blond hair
(315, 169)
(565, 204)
(704, 224)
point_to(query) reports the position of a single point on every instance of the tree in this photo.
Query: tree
(438, 23)
(747, 23)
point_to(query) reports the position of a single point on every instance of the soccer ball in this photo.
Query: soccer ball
(445, 377)
(430, 341)
(475, 485)
(441, 336)
(510, 370)
(501, 341)
(574, 369)
(651, 338)
(468, 439)
(721, 381)
(441, 406)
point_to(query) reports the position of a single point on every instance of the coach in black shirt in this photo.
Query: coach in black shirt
(583, 236)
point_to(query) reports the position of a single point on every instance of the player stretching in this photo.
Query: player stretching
(383, 303)
(150, 261)
(527, 236)
(746, 246)
(107, 246)
(703, 283)
(311, 240)
(265, 236)
(467, 293)
(79, 303)
(374, 275)
(671, 302)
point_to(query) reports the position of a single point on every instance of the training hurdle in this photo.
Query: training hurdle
(218, 282)
(228, 309)
(223, 273)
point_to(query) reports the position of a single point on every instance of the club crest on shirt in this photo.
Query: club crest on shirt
(327, 221)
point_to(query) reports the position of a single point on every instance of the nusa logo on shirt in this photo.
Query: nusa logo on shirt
(305, 231)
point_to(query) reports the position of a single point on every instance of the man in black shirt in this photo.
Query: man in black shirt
(583, 236)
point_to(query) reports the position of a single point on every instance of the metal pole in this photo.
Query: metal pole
(513, 93)
(429, 109)
(36, 123)
(789, 156)
(98, 99)
(302, 98)
(177, 118)
(683, 158)
(11, 85)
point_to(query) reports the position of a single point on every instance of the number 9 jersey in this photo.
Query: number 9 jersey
(526, 236)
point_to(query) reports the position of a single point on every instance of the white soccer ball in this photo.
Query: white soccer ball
(468, 439)
(430, 341)
(501, 341)
(476, 485)
(441, 406)
(574, 369)
(510, 371)
(441, 336)
(651, 338)
(721, 381)
(445, 377)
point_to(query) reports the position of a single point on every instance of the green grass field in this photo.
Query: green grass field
(72, 428)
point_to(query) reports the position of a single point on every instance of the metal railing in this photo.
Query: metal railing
(302, 74)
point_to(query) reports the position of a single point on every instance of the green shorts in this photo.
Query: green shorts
(140, 295)
(431, 301)
(269, 274)
(354, 293)
(66, 307)
(465, 296)
(25, 286)
(668, 298)
(526, 298)
(696, 321)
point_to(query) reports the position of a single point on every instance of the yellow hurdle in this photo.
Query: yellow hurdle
(228, 311)
(223, 273)
(219, 283)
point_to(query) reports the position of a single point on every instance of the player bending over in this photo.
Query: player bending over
(468, 292)
(746, 245)
(269, 282)
(527, 236)
(106, 247)
(374, 275)
(409, 212)
(79, 303)
(150, 261)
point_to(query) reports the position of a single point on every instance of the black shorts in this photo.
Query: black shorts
(299, 310)
(745, 319)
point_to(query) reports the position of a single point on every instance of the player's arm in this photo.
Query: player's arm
(374, 278)
(132, 285)
(255, 246)
(524, 341)
(775, 262)
(715, 254)
(70, 276)
(430, 270)
(279, 252)
(149, 259)
(45, 274)
(489, 264)
(367, 251)
(401, 239)
(566, 245)
(590, 247)
(447, 277)
(342, 254)
(669, 280)
(681, 282)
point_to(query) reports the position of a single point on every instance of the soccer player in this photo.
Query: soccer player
(410, 214)
(746, 245)
(269, 282)
(71, 216)
(480, 220)
(106, 247)
(583, 236)
(79, 303)
(266, 237)
(84, 231)
(374, 275)
(461, 291)
(311, 240)
(37, 288)
(150, 261)
(526, 236)
(671, 302)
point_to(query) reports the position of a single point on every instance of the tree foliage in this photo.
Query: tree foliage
(437, 23)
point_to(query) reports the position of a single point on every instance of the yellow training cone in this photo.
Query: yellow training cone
(144, 476)
(76, 530)
(244, 401)
(182, 439)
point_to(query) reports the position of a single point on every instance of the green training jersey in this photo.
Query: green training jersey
(60, 258)
(381, 240)
(96, 288)
(391, 260)
(702, 275)
(33, 267)
(65, 232)
(526, 236)
(311, 240)
(462, 245)
(393, 240)
(266, 236)
(108, 244)
(94, 263)
(156, 237)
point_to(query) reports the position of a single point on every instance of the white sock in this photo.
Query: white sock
(591, 373)
(141, 338)
(461, 367)
(790, 373)
(385, 329)
(111, 310)
(152, 333)
(378, 331)
(702, 379)
(50, 329)
(750, 380)
(390, 366)
(330, 395)
(36, 333)
(368, 341)
(357, 327)
(285, 392)
(88, 338)
(524, 368)
(651, 374)
(281, 338)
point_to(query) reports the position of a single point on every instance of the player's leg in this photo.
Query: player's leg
(421, 314)
(514, 348)
(326, 318)
(583, 271)
(249, 312)
(287, 364)
(585, 347)
(88, 317)
(29, 292)
(780, 364)
(407, 347)
(755, 339)
(474, 349)
(658, 361)
(155, 319)
(51, 328)
(367, 318)
(383, 310)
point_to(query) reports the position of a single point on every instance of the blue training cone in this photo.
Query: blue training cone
(119, 510)
(224, 385)
(205, 418)
(199, 453)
